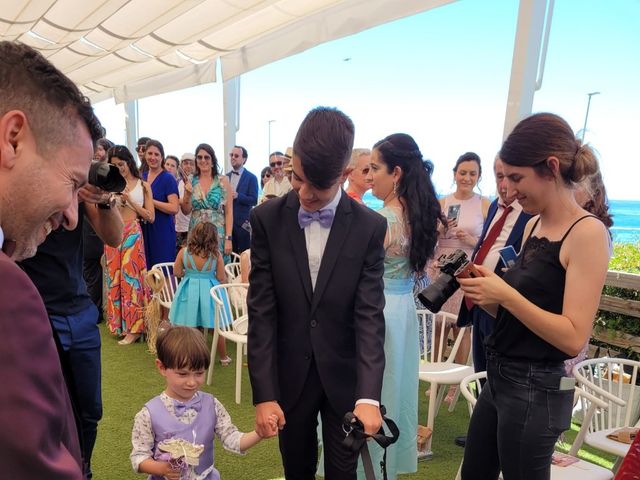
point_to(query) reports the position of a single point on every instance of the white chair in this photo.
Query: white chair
(470, 388)
(170, 283)
(233, 271)
(605, 378)
(230, 323)
(437, 370)
(235, 257)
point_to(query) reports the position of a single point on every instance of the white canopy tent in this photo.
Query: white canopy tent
(130, 49)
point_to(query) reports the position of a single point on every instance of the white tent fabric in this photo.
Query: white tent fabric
(130, 49)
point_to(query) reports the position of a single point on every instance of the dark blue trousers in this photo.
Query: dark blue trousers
(80, 340)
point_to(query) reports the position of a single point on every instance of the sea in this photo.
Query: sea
(626, 218)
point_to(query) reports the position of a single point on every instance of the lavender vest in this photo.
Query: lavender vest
(166, 426)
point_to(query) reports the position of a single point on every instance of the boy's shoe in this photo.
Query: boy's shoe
(225, 361)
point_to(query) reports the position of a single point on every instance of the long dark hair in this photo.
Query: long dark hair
(144, 167)
(416, 193)
(122, 153)
(214, 160)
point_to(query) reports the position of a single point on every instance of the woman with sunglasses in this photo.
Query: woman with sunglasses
(279, 184)
(265, 176)
(209, 198)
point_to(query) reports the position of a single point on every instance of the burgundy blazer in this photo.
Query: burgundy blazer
(38, 436)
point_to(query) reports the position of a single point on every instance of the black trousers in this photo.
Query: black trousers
(299, 440)
(519, 416)
(92, 273)
(240, 239)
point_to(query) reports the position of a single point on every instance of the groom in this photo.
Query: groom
(316, 327)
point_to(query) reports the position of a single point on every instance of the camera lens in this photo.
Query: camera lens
(436, 294)
(107, 177)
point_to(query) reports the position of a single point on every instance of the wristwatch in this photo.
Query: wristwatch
(228, 237)
(111, 203)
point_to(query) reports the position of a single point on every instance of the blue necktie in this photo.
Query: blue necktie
(323, 216)
(180, 408)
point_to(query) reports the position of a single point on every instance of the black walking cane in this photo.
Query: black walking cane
(356, 440)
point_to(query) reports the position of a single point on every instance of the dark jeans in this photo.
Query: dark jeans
(483, 325)
(92, 273)
(80, 339)
(519, 416)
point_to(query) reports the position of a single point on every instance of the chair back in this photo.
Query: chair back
(471, 386)
(613, 380)
(235, 257)
(233, 271)
(170, 283)
(434, 348)
(230, 300)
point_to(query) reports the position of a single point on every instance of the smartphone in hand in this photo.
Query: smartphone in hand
(453, 213)
(508, 255)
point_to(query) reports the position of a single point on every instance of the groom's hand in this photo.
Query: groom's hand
(370, 417)
(264, 420)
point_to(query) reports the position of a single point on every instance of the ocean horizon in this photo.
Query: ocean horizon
(626, 218)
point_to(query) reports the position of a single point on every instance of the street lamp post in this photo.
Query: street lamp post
(270, 122)
(586, 115)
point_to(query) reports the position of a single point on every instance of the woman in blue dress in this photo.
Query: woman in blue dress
(402, 180)
(160, 236)
(209, 198)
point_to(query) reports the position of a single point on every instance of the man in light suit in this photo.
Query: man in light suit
(316, 324)
(47, 136)
(245, 197)
(511, 234)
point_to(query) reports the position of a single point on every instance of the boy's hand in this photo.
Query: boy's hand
(266, 414)
(170, 473)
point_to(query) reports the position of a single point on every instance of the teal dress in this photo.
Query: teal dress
(192, 304)
(401, 350)
(210, 208)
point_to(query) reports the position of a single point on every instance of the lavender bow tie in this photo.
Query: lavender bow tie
(181, 408)
(323, 216)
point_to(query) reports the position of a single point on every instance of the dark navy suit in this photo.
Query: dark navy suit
(247, 190)
(483, 322)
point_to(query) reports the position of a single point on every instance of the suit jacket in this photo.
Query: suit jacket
(247, 190)
(39, 437)
(515, 239)
(339, 326)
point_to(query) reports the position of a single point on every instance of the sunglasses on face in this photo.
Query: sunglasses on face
(203, 157)
(141, 148)
(276, 164)
(266, 175)
(234, 155)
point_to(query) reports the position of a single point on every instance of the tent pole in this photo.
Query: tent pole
(526, 59)
(131, 125)
(231, 107)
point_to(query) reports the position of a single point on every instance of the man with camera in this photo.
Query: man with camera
(43, 165)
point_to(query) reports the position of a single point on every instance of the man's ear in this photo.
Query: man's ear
(13, 125)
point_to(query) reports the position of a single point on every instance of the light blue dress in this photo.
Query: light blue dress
(401, 347)
(192, 304)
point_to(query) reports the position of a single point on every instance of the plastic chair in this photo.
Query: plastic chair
(170, 283)
(438, 371)
(470, 388)
(233, 271)
(608, 380)
(235, 257)
(230, 323)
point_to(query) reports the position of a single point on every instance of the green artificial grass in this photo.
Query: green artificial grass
(130, 379)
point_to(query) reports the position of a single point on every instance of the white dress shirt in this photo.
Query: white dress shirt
(316, 237)
(493, 256)
(234, 178)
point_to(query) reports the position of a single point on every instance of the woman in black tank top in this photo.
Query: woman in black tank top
(544, 305)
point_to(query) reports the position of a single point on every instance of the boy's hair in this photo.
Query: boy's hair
(203, 240)
(323, 143)
(182, 347)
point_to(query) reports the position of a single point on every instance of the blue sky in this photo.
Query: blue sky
(441, 76)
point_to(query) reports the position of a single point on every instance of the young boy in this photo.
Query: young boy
(316, 326)
(173, 433)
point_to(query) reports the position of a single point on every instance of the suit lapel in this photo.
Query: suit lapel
(493, 208)
(298, 242)
(337, 236)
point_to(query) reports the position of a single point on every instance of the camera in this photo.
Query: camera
(456, 264)
(107, 177)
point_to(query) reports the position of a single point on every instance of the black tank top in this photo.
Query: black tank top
(540, 277)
